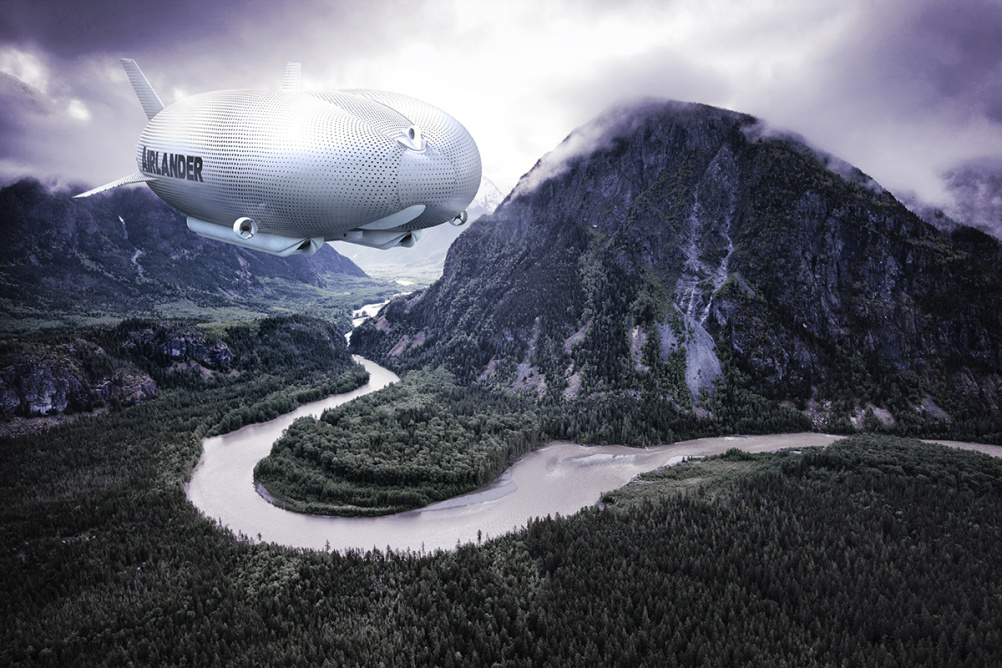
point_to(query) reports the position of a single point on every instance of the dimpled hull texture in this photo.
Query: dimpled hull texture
(309, 164)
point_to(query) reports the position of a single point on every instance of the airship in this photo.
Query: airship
(284, 171)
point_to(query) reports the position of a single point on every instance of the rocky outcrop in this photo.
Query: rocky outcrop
(39, 379)
(45, 380)
(103, 365)
(688, 249)
(175, 341)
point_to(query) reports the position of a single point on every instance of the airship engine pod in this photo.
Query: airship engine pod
(285, 171)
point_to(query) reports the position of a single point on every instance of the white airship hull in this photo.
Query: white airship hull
(301, 168)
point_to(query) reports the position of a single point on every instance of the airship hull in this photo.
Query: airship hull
(283, 171)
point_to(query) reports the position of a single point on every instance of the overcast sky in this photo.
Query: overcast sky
(906, 90)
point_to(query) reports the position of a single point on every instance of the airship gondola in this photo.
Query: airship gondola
(285, 171)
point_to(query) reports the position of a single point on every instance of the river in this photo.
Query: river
(558, 478)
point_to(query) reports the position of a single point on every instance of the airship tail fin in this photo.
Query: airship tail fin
(138, 177)
(144, 91)
(293, 79)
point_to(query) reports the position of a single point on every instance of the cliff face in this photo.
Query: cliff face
(46, 379)
(171, 342)
(675, 249)
(103, 364)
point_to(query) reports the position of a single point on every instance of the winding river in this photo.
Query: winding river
(558, 478)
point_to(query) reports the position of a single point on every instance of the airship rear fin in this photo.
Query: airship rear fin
(293, 79)
(144, 91)
(138, 177)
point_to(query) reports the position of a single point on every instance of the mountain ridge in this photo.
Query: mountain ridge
(127, 254)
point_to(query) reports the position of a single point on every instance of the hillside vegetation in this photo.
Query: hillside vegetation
(107, 367)
(429, 438)
(422, 440)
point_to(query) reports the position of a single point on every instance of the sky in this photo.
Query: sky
(909, 91)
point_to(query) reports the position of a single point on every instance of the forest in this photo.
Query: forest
(429, 438)
(876, 551)
(422, 440)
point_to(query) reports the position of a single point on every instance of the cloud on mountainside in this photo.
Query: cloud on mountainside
(595, 135)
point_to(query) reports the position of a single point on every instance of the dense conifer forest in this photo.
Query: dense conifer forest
(875, 551)
(423, 440)
(430, 438)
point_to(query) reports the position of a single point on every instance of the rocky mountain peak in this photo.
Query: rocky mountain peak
(672, 249)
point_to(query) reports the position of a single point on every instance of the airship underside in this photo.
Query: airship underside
(285, 171)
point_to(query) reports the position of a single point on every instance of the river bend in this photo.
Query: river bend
(558, 478)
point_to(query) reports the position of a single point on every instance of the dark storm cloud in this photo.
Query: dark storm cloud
(930, 72)
(931, 52)
(962, 48)
(191, 42)
(18, 102)
(65, 101)
(68, 30)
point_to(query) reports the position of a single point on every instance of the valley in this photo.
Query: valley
(73, 263)
(684, 281)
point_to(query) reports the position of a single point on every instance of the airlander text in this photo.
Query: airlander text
(173, 164)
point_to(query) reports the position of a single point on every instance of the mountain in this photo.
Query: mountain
(126, 253)
(424, 262)
(675, 254)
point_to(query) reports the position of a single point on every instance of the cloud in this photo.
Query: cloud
(24, 67)
(61, 131)
(598, 134)
(906, 90)
(110, 26)
(901, 89)
(762, 130)
(976, 190)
